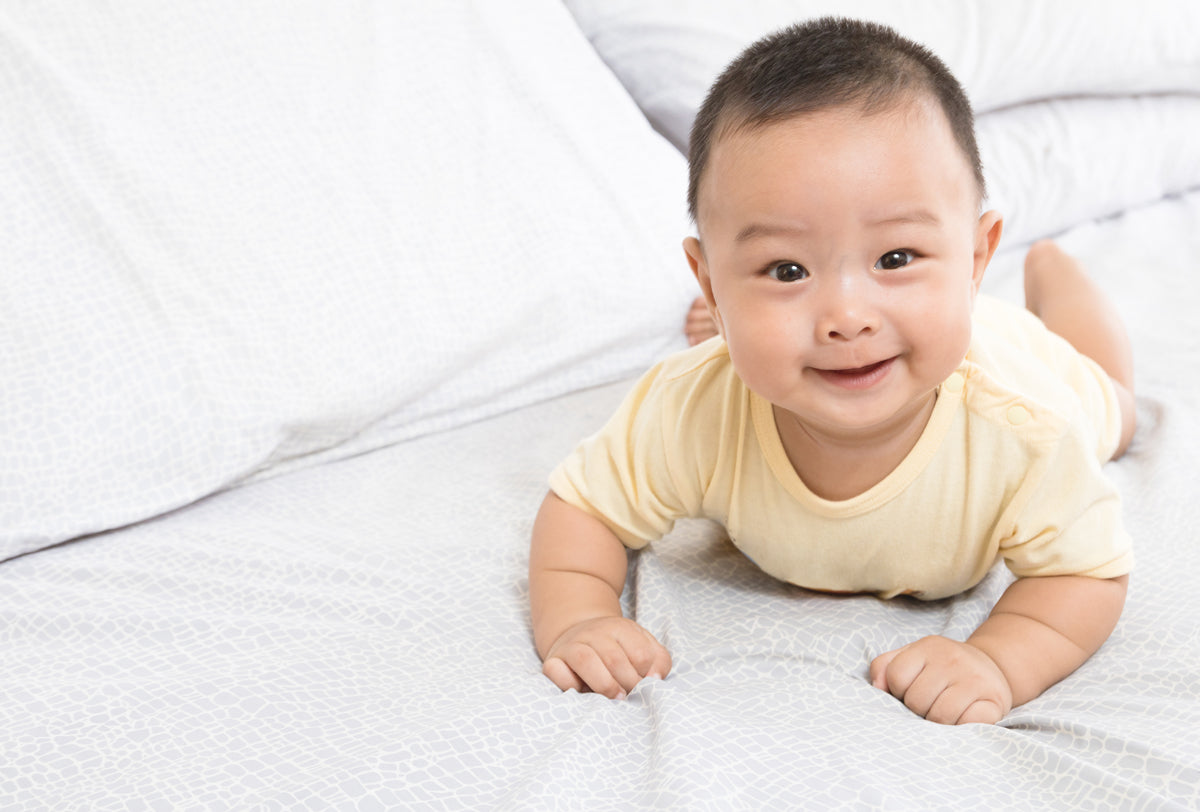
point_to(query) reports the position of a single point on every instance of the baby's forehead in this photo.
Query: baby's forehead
(911, 111)
(916, 111)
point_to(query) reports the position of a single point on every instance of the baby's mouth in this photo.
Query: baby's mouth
(858, 377)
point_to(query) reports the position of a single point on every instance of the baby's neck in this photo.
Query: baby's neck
(840, 467)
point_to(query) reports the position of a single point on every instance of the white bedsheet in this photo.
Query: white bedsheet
(355, 636)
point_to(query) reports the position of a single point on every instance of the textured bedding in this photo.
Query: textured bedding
(301, 303)
(355, 636)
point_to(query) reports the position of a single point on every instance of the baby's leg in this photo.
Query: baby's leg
(699, 325)
(1063, 296)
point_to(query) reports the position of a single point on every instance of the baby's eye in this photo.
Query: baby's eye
(893, 260)
(788, 272)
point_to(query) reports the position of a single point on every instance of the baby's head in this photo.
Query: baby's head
(819, 65)
(836, 187)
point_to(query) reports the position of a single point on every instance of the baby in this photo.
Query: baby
(865, 421)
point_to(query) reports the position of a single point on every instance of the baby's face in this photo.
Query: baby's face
(840, 254)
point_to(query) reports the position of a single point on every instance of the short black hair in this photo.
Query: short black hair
(819, 64)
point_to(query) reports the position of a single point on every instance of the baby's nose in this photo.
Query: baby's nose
(846, 314)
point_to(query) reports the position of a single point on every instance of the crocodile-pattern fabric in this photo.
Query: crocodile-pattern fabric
(356, 636)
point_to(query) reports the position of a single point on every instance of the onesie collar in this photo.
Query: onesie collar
(948, 402)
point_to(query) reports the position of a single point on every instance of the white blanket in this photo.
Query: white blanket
(237, 235)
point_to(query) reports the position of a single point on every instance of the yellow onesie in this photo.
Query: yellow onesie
(1009, 465)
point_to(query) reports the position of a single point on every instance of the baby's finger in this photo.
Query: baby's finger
(623, 670)
(902, 669)
(660, 664)
(593, 669)
(925, 690)
(878, 671)
(647, 656)
(951, 705)
(561, 674)
(983, 711)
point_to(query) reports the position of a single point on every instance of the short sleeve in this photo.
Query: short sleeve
(1071, 522)
(622, 474)
(1012, 339)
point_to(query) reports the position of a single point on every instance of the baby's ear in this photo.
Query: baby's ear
(695, 256)
(987, 238)
(696, 261)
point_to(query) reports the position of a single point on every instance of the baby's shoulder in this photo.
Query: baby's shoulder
(1009, 442)
(1014, 412)
(705, 359)
(698, 375)
(695, 394)
(1034, 382)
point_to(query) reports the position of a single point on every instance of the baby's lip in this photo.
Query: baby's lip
(862, 370)
(857, 377)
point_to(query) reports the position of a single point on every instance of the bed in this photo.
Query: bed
(301, 301)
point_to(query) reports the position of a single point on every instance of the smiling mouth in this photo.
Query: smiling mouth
(858, 377)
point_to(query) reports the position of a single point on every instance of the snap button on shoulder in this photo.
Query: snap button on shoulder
(1018, 415)
(953, 384)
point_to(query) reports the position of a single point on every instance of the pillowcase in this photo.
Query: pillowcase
(1055, 164)
(668, 53)
(242, 236)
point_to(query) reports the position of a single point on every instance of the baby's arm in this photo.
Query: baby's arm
(577, 570)
(1040, 631)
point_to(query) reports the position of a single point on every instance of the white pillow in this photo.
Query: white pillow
(668, 52)
(241, 235)
(1052, 165)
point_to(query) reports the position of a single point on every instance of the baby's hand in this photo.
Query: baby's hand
(945, 681)
(608, 655)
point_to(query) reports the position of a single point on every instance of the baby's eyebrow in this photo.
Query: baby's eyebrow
(922, 217)
(758, 230)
